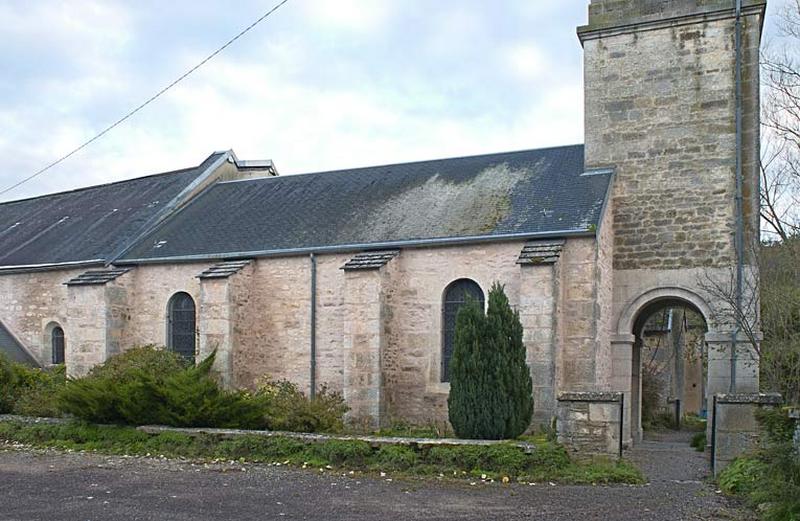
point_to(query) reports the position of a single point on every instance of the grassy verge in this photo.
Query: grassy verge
(505, 462)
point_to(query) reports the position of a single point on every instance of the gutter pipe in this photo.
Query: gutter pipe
(739, 240)
(313, 333)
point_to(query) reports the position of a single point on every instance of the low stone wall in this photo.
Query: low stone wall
(735, 430)
(589, 422)
(375, 441)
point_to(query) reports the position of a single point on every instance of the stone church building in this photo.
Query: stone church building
(352, 278)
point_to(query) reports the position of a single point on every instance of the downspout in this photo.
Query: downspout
(739, 240)
(313, 327)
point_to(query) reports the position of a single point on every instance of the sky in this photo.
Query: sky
(319, 85)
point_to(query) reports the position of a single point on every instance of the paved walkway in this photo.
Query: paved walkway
(65, 486)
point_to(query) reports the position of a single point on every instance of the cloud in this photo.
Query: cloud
(526, 61)
(323, 85)
(349, 15)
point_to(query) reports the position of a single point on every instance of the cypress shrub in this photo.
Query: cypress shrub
(515, 404)
(490, 384)
(468, 394)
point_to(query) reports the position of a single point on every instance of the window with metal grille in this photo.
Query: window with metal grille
(57, 342)
(455, 296)
(181, 328)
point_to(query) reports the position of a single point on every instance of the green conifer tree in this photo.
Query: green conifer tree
(505, 330)
(490, 384)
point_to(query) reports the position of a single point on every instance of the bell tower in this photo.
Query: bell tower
(672, 105)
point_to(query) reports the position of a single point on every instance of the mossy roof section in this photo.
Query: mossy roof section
(87, 224)
(532, 191)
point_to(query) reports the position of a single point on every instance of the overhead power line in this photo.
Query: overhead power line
(146, 102)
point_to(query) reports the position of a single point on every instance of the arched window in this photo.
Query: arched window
(455, 296)
(181, 325)
(57, 343)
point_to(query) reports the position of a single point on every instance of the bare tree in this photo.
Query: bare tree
(780, 162)
(771, 304)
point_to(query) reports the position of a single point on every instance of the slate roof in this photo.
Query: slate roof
(541, 252)
(517, 193)
(223, 270)
(370, 260)
(96, 277)
(13, 349)
(88, 224)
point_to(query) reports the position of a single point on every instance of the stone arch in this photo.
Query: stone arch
(627, 344)
(631, 312)
(453, 297)
(52, 352)
(182, 325)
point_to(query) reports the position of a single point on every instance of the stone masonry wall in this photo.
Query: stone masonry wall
(538, 291)
(153, 286)
(578, 313)
(660, 109)
(262, 316)
(272, 329)
(29, 302)
(412, 359)
(588, 422)
(604, 292)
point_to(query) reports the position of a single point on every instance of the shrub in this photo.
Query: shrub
(28, 390)
(777, 424)
(92, 399)
(285, 408)
(150, 359)
(692, 422)
(770, 478)
(113, 392)
(8, 384)
(152, 386)
(699, 441)
(37, 390)
(396, 457)
(742, 476)
(191, 398)
(339, 452)
(490, 384)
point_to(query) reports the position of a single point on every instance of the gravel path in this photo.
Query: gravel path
(67, 486)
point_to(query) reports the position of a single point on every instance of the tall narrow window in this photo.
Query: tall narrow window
(181, 325)
(57, 343)
(455, 296)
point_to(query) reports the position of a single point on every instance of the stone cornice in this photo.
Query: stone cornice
(589, 32)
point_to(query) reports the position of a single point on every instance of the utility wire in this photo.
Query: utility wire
(147, 102)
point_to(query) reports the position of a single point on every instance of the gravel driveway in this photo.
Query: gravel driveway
(67, 486)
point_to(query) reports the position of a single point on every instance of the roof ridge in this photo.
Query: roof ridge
(416, 162)
(111, 183)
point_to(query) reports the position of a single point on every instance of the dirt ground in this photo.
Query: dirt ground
(47, 485)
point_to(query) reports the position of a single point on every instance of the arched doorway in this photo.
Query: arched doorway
(660, 359)
(669, 367)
